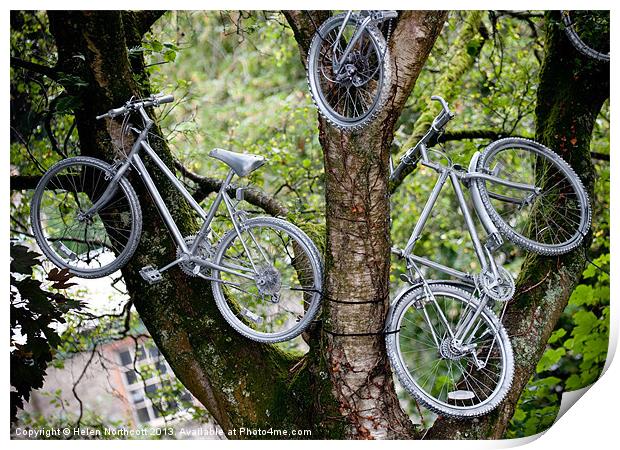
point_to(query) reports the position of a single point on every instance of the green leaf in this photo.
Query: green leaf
(67, 104)
(549, 358)
(557, 334)
(170, 55)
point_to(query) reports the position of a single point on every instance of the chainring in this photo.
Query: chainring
(204, 251)
(502, 290)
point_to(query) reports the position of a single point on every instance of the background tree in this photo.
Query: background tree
(342, 386)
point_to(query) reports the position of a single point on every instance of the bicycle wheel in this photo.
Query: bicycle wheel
(89, 247)
(443, 377)
(551, 222)
(275, 290)
(353, 96)
(588, 31)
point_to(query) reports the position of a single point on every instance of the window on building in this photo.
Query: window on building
(143, 378)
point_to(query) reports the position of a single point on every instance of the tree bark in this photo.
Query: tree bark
(570, 95)
(357, 259)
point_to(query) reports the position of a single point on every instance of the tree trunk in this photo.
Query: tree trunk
(357, 259)
(570, 95)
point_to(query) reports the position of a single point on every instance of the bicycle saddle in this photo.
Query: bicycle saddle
(242, 164)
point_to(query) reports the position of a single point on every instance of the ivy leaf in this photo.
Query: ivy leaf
(556, 335)
(549, 358)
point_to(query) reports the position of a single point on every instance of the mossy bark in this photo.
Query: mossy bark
(460, 59)
(571, 92)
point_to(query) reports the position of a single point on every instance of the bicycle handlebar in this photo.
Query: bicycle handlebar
(133, 105)
(444, 116)
(413, 155)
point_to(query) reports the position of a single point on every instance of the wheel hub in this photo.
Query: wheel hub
(448, 349)
(83, 217)
(269, 281)
(355, 64)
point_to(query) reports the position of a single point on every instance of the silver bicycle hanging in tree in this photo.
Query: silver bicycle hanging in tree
(265, 273)
(348, 67)
(445, 343)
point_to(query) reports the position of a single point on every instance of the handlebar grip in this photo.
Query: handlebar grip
(117, 111)
(113, 113)
(165, 99)
(442, 119)
(398, 172)
(411, 158)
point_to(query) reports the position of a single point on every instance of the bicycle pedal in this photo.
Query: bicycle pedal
(406, 278)
(150, 274)
(251, 316)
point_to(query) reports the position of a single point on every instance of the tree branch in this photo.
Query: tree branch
(49, 72)
(304, 25)
(492, 135)
(256, 197)
(146, 19)
(24, 182)
(520, 14)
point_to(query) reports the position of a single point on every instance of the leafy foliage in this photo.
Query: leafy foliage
(35, 311)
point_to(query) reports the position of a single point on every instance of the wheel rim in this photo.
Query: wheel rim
(73, 240)
(349, 98)
(281, 297)
(448, 381)
(589, 32)
(554, 218)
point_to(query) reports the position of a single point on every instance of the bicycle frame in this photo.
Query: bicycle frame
(458, 175)
(358, 33)
(188, 253)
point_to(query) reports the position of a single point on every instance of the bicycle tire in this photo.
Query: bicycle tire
(551, 159)
(236, 311)
(134, 210)
(578, 43)
(315, 82)
(418, 385)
